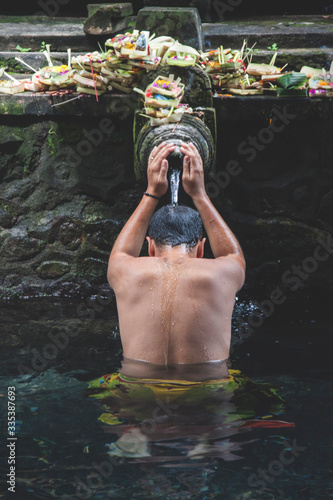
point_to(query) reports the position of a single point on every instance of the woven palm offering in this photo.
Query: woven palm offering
(225, 67)
(133, 49)
(159, 45)
(164, 92)
(180, 55)
(320, 81)
(86, 61)
(162, 102)
(11, 87)
(132, 45)
(55, 77)
(90, 82)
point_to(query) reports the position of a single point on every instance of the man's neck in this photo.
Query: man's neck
(179, 251)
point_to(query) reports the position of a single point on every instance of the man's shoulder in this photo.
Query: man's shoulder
(221, 269)
(232, 267)
(212, 272)
(125, 269)
(226, 262)
(124, 264)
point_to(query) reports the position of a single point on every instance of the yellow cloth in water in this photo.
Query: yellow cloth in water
(129, 400)
(117, 384)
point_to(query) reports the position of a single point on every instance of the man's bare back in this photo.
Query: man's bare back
(175, 307)
(176, 310)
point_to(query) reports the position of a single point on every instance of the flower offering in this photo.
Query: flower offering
(168, 87)
(54, 77)
(129, 56)
(132, 45)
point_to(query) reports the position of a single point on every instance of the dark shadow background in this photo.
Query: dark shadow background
(244, 9)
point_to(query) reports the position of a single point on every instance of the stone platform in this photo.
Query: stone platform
(231, 108)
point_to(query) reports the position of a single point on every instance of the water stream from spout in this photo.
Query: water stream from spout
(174, 185)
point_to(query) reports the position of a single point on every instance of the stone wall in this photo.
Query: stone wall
(68, 186)
(279, 195)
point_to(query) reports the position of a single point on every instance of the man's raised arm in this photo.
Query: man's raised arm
(222, 240)
(130, 240)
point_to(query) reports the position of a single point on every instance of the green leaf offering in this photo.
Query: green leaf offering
(294, 92)
(21, 49)
(292, 80)
(231, 66)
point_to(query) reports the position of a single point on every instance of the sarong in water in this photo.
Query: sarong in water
(129, 400)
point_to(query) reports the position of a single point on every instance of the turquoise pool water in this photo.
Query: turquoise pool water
(233, 445)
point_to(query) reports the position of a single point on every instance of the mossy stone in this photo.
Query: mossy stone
(115, 10)
(183, 24)
(52, 269)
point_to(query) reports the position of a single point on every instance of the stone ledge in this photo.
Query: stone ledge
(260, 107)
(233, 108)
(43, 104)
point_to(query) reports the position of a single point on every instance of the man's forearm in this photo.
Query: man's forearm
(132, 236)
(222, 240)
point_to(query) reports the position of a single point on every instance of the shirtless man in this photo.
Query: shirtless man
(175, 307)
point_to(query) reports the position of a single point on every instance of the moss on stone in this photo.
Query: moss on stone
(52, 269)
(12, 107)
(12, 65)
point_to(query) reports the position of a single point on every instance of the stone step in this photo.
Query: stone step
(285, 31)
(296, 58)
(60, 33)
(288, 32)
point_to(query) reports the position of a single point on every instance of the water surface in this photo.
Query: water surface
(74, 446)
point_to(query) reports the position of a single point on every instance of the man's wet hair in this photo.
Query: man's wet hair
(176, 225)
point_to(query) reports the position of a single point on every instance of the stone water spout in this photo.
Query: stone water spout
(190, 129)
(198, 128)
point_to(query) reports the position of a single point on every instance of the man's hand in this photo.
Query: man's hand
(193, 174)
(158, 169)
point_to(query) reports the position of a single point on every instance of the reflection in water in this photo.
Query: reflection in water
(181, 422)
